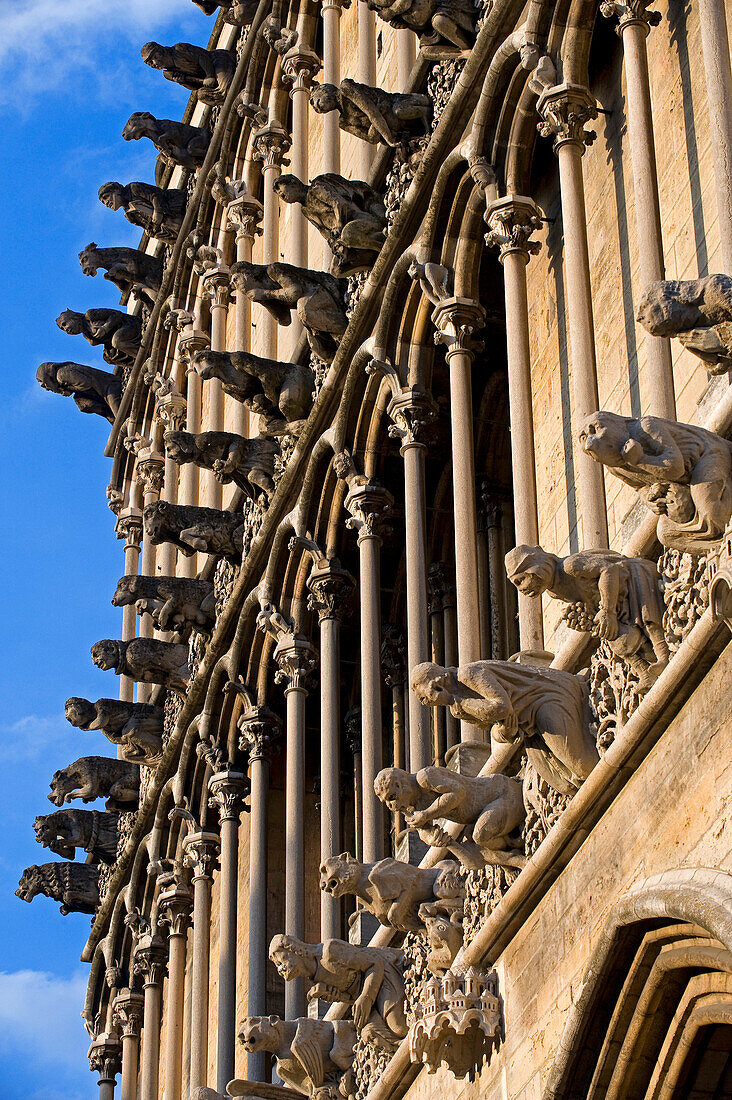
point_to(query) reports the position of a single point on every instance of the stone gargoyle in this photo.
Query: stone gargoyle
(172, 602)
(93, 390)
(492, 807)
(545, 709)
(349, 214)
(145, 660)
(128, 268)
(444, 935)
(136, 727)
(446, 27)
(92, 777)
(120, 333)
(312, 1055)
(157, 210)
(177, 142)
(698, 311)
(393, 891)
(615, 598)
(192, 529)
(396, 119)
(683, 473)
(66, 830)
(76, 885)
(238, 12)
(208, 73)
(316, 296)
(370, 979)
(282, 393)
(249, 463)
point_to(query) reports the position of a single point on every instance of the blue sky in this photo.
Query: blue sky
(70, 76)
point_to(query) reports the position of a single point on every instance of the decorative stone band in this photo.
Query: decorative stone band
(456, 1020)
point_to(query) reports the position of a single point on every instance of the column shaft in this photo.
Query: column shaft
(149, 1068)
(418, 640)
(330, 767)
(331, 75)
(371, 728)
(366, 73)
(174, 1014)
(295, 837)
(226, 1035)
(257, 1003)
(715, 48)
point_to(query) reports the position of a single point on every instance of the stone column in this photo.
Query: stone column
(174, 909)
(105, 1059)
(227, 788)
(493, 513)
(366, 74)
(512, 221)
(332, 75)
(260, 731)
(412, 411)
(216, 289)
(191, 340)
(715, 48)
(149, 962)
(296, 659)
(171, 411)
(200, 853)
(394, 672)
(150, 474)
(330, 590)
(243, 216)
(436, 586)
(352, 727)
(127, 1013)
(368, 504)
(564, 109)
(270, 144)
(634, 23)
(129, 528)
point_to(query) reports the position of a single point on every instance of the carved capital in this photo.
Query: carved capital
(296, 659)
(191, 340)
(227, 789)
(172, 411)
(512, 221)
(151, 473)
(149, 959)
(412, 411)
(175, 903)
(260, 730)
(369, 505)
(200, 853)
(335, 5)
(456, 320)
(299, 67)
(129, 528)
(244, 215)
(455, 1019)
(270, 145)
(105, 1057)
(127, 1013)
(217, 286)
(632, 13)
(564, 110)
(393, 654)
(440, 587)
(330, 589)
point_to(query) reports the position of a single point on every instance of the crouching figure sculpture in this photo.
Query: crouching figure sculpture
(698, 311)
(312, 1055)
(171, 602)
(136, 727)
(120, 333)
(368, 978)
(129, 269)
(76, 885)
(176, 142)
(492, 805)
(92, 777)
(282, 393)
(447, 26)
(157, 210)
(208, 73)
(94, 391)
(396, 119)
(249, 463)
(546, 709)
(682, 472)
(192, 529)
(145, 660)
(91, 830)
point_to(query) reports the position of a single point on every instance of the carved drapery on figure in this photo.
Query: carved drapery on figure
(94, 391)
(92, 777)
(312, 1055)
(120, 333)
(698, 312)
(191, 529)
(172, 602)
(248, 463)
(130, 270)
(66, 830)
(136, 727)
(76, 885)
(208, 73)
(396, 119)
(157, 210)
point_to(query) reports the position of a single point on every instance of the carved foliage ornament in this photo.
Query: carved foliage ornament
(631, 13)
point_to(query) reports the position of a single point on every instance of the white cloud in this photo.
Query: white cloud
(29, 997)
(31, 737)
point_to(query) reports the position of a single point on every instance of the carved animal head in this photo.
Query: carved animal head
(71, 322)
(531, 569)
(140, 124)
(64, 782)
(247, 276)
(89, 259)
(30, 884)
(106, 654)
(129, 589)
(47, 376)
(157, 519)
(325, 98)
(340, 875)
(180, 446)
(292, 957)
(112, 195)
(210, 364)
(57, 832)
(290, 188)
(444, 933)
(396, 788)
(672, 306)
(80, 712)
(429, 683)
(606, 437)
(260, 1033)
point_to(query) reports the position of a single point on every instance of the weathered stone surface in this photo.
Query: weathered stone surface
(456, 1022)
(208, 73)
(249, 463)
(312, 1055)
(92, 777)
(159, 211)
(120, 333)
(172, 602)
(145, 660)
(281, 393)
(698, 311)
(66, 830)
(94, 391)
(238, 12)
(192, 529)
(76, 885)
(136, 727)
(446, 27)
(130, 270)
(390, 118)
(176, 142)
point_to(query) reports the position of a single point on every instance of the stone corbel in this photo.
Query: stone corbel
(456, 1021)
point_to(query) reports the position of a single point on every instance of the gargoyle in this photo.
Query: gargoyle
(238, 12)
(128, 268)
(683, 473)
(94, 391)
(91, 830)
(177, 142)
(120, 333)
(191, 529)
(265, 386)
(145, 660)
(446, 27)
(157, 210)
(392, 118)
(136, 727)
(369, 978)
(208, 73)
(546, 709)
(613, 597)
(348, 213)
(172, 602)
(444, 935)
(492, 805)
(316, 296)
(249, 463)
(312, 1055)
(392, 890)
(698, 311)
(93, 777)
(76, 885)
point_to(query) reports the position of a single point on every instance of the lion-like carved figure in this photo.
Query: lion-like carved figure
(682, 472)
(249, 463)
(91, 830)
(238, 12)
(393, 891)
(208, 73)
(171, 602)
(312, 1055)
(191, 529)
(176, 142)
(698, 311)
(348, 213)
(444, 935)
(92, 777)
(93, 391)
(76, 885)
(491, 805)
(395, 119)
(145, 660)
(120, 333)
(282, 393)
(157, 210)
(446, 27)
(128, 268)
(136, 727)
(316, 296)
